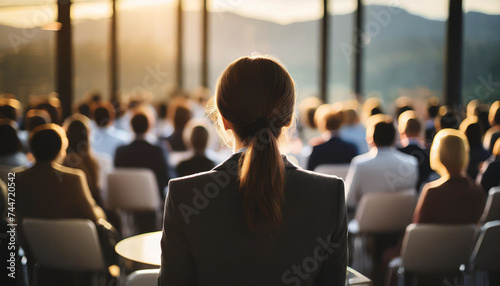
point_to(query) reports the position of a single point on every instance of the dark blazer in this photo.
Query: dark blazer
(142, 154)
(458, 200)
(196, 164)
(424, 167)
(206, 240)
(333, 151)
(491, 176)
(176, 141)
(477, 155)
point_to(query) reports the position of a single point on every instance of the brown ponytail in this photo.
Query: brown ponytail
(256, 95)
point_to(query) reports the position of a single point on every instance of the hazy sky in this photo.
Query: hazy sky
(281, 11)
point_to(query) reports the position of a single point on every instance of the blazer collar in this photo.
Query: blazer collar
(233, 161)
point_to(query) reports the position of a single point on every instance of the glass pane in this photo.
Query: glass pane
(192, 38)
(240, 28)
(27, 49)
(147, 45)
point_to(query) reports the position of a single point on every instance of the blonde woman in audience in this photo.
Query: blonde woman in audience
(455, 197)
(494, 118)
(255, 219)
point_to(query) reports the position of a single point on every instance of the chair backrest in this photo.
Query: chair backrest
(133, 189)
(436, 248)
(386, 211)
(486, 253)
(105, 162)
(148, 277)
(66, 244)
(492, 207)
(339, 170)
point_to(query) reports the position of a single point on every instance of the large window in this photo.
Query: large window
(288, 30)
(27, 47)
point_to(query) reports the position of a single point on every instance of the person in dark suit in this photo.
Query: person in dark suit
(141, 153)
(409, 130)
(489, 176)
(182, 115)
(471, 128)
(335, 150)
(199, 162)
(256, 219)
(454, 198)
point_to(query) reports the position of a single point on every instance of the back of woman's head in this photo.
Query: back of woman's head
(255, 96)
(494, 115)
(449, 152)
(472, 129)
(77, 130)
(9, 141)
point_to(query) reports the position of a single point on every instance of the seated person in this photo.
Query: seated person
(447, 118)
(489, 176)
(494, 118)
(353, 131)
(471, 128)
(11, 148)
(432, 112)
(141, 153)
(384, 168)
(33, 118)
(199, 162)
(409, 129)
(454, 198)
(182, 114)
(335, 150)
(106, 138)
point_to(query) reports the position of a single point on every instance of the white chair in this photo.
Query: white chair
(65, 244)
(339, 170)
(434, 248)
(148, 277)
(492, 207)
(106, 167)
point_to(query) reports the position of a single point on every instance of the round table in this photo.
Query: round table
(143, 248)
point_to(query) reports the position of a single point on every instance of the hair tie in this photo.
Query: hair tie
(262, 123)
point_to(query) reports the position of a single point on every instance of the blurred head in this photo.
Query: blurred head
(255, 101)
(494, 115)
(433, 107)
(307, 110)
(53, 106)
(36, 117)
(471, 107)
(372, 106)
(182, 114)
(447, 118)
(350, 117)
(449, 152)
(142, 120)
(471, 128)
(9, 141)
(333, 119)
(380, 131)
(104, 114)
(197, 137)
(10, 108)
(408, 124)
(84, 109)
(48, 143)
(403, 103)
(78, 133)
(496, 148)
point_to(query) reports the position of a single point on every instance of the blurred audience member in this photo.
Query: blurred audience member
(409, 129)
(106, 139)
(10, 109)
(33, 119)
(79, 154)
(383, 168)
(471, 128)
(494, 117)
(11, 149)
(199, 162)
(320, 125)
(335, 150)
(307, 109)
(182, 114)
(489, 176)
(164, 127)
(353, 131)
(52, 105)
(141, 153)
(447, 118)
(403, 103)
(455, 198)
(432, 112)
(372, 106)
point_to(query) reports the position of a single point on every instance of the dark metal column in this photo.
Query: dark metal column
(64, 57)
(180, 48)
(358, 50)
(113, 57)
(453, 55)
(204, 44)
(323, 78)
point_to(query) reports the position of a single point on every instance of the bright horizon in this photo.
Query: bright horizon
(20, 15)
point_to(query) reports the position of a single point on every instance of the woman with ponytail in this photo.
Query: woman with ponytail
(256, 219)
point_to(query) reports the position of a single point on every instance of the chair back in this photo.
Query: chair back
(486, 253)
(133, 189)
(436, 248)
(65, 244)
(147, 277)
(339, 170)
(385, 212)
(492, 207)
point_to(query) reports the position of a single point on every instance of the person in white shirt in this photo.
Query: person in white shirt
(383, 168)
(106, 138)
